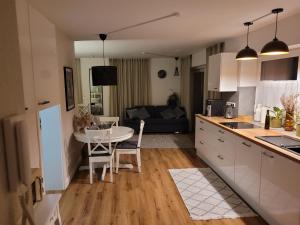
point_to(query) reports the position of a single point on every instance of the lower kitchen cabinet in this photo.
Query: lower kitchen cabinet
(270, 183)
(279, 192)
(247, 170)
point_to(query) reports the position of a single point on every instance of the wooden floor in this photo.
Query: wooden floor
(149, 198)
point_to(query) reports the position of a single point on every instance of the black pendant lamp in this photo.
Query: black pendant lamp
(104, 75)
(247, 53)
(275, 47)
(176, 73)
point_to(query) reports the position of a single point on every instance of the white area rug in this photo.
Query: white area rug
(206, 196)
(167, 141)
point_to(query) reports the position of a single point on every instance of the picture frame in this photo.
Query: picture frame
(69, 88)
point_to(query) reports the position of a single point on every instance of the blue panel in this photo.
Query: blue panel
(52, 148)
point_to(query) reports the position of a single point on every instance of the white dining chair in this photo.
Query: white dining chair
(106, 119)
(130, 147)
(100, 151)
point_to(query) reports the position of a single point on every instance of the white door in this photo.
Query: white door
(52, 148)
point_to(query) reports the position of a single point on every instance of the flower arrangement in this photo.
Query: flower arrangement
(82, 118)
(289, 103)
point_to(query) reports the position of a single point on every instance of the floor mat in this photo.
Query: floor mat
(207, 196)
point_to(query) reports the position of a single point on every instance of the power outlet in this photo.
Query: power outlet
(231, 103)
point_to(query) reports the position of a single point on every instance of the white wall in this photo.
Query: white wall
(72, 153)
(163, 88)
(86, 64)
(268, 93)
(11, 100)
(199, 58)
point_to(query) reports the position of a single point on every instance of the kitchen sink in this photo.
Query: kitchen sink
(295, 149)
(285, 142)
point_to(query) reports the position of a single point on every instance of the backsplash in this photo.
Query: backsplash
(244, 99)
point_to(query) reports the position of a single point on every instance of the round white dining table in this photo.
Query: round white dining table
(118, 134)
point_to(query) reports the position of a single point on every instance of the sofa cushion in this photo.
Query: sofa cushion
(127, 145)
(142, 113)
(132, 113)
(179, 112)
(168, 114)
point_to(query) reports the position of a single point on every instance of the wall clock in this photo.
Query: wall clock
(162, 74)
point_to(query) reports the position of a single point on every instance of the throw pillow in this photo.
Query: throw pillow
(168, 114)
(142, 113)
(179, 112)
(132, 113)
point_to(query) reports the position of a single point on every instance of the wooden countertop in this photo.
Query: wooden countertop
(250, 134)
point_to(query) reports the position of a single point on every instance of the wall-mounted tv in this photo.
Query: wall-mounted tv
(104, 75)
(280, 69)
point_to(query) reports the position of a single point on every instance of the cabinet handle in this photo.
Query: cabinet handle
(216, 88)
(44, 102)
(220, 140)
(248, 145)
(201, 142)
(222, 132)
(201, 121)
(220, 157)
(201, 129)
(268, 155)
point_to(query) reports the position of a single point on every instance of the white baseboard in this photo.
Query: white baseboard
(71, 175)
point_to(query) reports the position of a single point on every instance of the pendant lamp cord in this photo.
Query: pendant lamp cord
(103, 52)
(276, 26)
(248, 34)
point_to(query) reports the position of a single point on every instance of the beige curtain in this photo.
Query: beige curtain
(212, 50)
(185, 85)
(77, 82)
(134, 85)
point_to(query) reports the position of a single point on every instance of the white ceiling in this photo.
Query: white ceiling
(200, 23)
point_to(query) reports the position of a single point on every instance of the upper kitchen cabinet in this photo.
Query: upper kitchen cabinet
(222, 72)
(248, 73)
(25, 54)
(44, 58)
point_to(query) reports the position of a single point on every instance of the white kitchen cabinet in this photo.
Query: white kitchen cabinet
(25, 54)
(214, 145)
(279, 192)
(248, 73)
(247, 170)
(44, 58)
(222, 72)
(225, 155)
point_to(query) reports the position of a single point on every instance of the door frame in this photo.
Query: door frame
(201, 68)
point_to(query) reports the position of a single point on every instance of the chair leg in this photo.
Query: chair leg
(103, 172)
(111, 169)
(91, 171)
(117, 161)
(138, 159)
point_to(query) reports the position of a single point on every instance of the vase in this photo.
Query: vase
(276, 122)
(289, 122)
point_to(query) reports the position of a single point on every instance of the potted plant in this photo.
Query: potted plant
(173, 100)
(276, 120)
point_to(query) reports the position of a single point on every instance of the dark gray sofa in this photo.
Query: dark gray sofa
(156, 123)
